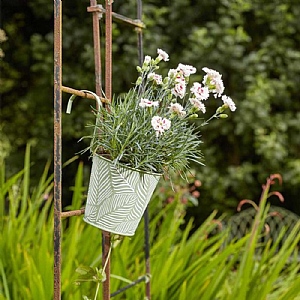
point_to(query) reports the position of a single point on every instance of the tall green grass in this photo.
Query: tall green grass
(26, 232)
(184, 265)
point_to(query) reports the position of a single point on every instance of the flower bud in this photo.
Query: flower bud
(223, 116)
(220, 109)
(145, 68)
(139, 81)
(166, 80)
(157, 60)
(193, 116)
(139, 69)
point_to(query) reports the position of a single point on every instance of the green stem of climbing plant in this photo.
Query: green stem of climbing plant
(103, 271)
(97, 290)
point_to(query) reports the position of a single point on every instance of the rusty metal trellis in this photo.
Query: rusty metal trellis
(97, 12)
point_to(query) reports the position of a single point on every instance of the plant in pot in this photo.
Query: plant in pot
(144, 134)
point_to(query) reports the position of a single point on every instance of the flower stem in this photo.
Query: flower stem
(97, 290)
(212, 117)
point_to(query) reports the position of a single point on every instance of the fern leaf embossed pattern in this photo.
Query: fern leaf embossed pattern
(117, 196)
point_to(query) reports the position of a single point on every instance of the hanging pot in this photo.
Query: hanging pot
(117, 196)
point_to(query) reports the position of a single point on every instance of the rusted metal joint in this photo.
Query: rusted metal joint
(97, 8)
(139, 29)
(101, 10)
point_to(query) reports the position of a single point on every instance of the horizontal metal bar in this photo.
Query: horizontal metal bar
(139, 280)
(100, 9)
(82, 94)
(72, 213)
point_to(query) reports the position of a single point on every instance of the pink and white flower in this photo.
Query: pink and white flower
(178, 109)
(200, 92)
(228, 101)
(172, 73)
(186, 70)
(156, 77)
(179, 78)
(147, 59)
(162, 55)
(160, 124)
(213, 80)
(179, 89)
(198, 104)
(147, 103)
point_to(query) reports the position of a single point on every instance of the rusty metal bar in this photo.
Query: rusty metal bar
(147, 253)
(139, 280)
(136, 23)
(106, 264)
(71, 213)
(108, 95)
(97, 50)
(81, 94)
(94, 8)
(140, 33)
(57, 146)
(108, 49)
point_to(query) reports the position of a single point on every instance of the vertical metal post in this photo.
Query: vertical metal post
(108, 93)
(57, 146)
(97, 50)
(106, 259)
(147, 253)
(140, 33)
(108, 49)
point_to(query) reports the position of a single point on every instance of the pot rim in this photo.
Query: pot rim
(118, 164)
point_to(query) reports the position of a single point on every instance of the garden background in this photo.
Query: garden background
(254, 44)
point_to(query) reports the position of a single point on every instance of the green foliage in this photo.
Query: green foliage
(184, 265)
(3, 38)
(254, 44)
(246, 40)
(25, 222)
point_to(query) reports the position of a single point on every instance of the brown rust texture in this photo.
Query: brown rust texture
(72, 213)
(97, 49)
(57, 146)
